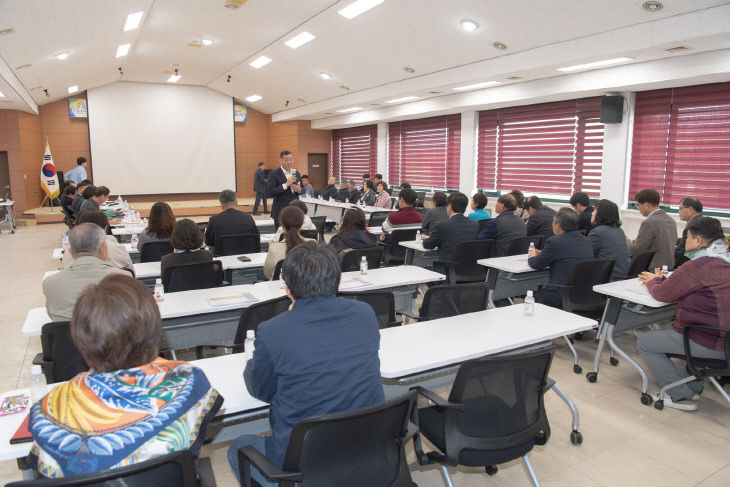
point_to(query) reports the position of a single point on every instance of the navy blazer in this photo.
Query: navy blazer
(561, 253)
(503, 230)
(275, 189)
(259, 181)
(321, 357)
(449, 233)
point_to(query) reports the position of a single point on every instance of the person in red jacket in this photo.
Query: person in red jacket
(406, 215)
(701, 289)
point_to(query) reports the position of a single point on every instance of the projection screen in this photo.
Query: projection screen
(157, 139)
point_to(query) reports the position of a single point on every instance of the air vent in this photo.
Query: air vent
(678, 49)
(7, 31)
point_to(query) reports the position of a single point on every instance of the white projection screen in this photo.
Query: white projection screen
(159, 139)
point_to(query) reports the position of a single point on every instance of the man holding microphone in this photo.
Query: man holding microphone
(284, 184)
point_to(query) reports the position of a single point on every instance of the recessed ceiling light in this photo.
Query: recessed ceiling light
(409, 69)
(2, 95)
(133, 21)
(404, 98)
(346, 110)
(475, 86)
(61, 55)
(596, 64)
(300, 40)
(358, 7)
(73, 89)
(469, 25)
(7, 31)
(207, 42)
(234, 3)
(345, 87)
(260, 62)
(123, 50)
(652, 6)
(174, 78)
(253, 98)
(324, 75)
(499, 45)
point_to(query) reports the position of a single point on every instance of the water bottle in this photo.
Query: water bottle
(418, 236)
(159, 290)
(531, 248)
(665, 270)
(363, 265)
(38, 387)
(248, 345)
(119, 199)
(64, 241)
(126, 205)
(135, 240)
(529, 304)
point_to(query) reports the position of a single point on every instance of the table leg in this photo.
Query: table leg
(491, 284)
(576, 437)
(610, 316)
(645, 397)
(408, 260)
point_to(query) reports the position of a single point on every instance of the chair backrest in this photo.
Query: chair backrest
(446, 300)
(350, 258)
(238, 244)
(307, 234)
(319, 222)
(185, 277)
(174, 469)
(483, 224)
(640, 263)
(382, 302)
(583, 276)
(466, 254)
(256, 314)
(420, 199)
(503, 404)
(359, 448)
(153, 251)
(377, 218)
(61, 359)
(520, 245)
(203, 226)
(277, 270)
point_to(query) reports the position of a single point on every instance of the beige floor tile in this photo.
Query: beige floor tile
(721, 478)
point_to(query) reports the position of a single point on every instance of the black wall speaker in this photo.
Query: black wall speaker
(612, 109)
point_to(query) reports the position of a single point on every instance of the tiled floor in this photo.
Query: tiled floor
(625, 443)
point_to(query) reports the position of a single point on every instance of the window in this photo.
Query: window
(681, 144)
(354, 152)
(550, 148)
(425, 152)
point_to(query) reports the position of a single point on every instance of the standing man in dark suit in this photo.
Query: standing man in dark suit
(455, 229)
(259, 185)
(230, 221)
(284, 184)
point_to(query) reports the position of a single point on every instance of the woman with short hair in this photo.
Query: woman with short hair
(187, 242)
(383, 197)
(478, 205)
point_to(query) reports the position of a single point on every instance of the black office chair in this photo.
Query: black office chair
(176, 469)
(382, 302)
(153, 251)
(495, 413)
(639, 264)
(69, 219)
(483, 224)
(350, 258)
(420, 199)
(319, 223)
(463, 265)
(185, 277)
(277, 270)
(521, 245)
(377, 218)
(446, 300)
(59, 359)
(393, 253)
(360, 448)
(238, 244)
(307, 234)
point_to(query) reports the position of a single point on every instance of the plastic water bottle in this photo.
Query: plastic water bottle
(64, 241)
(38, 387)
(248, 345)
(135, 240)
(119, 199)
(531, 248)
(363, 265)
(159, 290)
(126, 205)
(665, 270)
(529, 304)
(418, 236)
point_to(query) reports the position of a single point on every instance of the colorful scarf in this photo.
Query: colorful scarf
(98, 421)
(715, 250)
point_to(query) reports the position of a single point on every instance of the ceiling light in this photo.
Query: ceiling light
(174, 78)
(123, 50)
(409, 69)
(596, 64)
(234, 3)
(23, 66)
(207, 42)
(475, 86)
(2, 95)
(469, 25)
(652, 6)
(405, 98)
(260, 62)
(7, 31)
(499, 45)
(358, 7)
(133, 21)
(324, 75)
(73, 89)
(300, 40)
(346, 110)
(61, 55)
(253, 98)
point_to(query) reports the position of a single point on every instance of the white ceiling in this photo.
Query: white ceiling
(366, 54)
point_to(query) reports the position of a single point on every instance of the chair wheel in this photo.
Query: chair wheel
(491, 469)
(659, 404)
(577, 369)
(613, 361)
(646, 399)
(592, 377)
(576, 437)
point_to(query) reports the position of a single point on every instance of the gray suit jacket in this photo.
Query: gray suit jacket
(658, 234)
(449, 233)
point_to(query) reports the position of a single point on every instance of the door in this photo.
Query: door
(4, 175)
(317, 170)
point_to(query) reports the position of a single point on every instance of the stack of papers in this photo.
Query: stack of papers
(353, 283)
(240, 298)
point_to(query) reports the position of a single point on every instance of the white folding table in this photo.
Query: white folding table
(511, 276)
(7, 207)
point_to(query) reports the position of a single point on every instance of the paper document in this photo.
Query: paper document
(229, 299)
(353, 283)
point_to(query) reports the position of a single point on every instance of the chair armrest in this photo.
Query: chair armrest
(248, 455)
(436, 399)
(413, 317)
(687, 352)
(38, 359)
(206, 477)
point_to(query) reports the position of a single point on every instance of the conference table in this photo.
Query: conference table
(125, 233)
(7, 207)
(334, 210)
(511, 276)
(416, 253)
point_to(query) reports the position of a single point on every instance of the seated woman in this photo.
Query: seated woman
(383, 197)
(187, 240)
(701, 289)
(132, 405)
(607, 238)
(369, 196)
(478, 205)
(160, 225)
(520, 211)
(291, 219)
(352, 233)
(307, 225)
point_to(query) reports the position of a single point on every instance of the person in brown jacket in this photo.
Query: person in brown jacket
(657, 233)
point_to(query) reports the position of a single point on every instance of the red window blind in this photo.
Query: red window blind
(681, 144)
(354, 152)
(551, 148)
(425, 152)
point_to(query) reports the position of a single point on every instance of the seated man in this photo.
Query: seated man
(320, 357)
(689, 209)
(561, 253)
(354, 194)
(437, 214)
(657, 233)
(343, 192)
(89, 251)
(541, 217)
(450, 232)
(701, 289)
(505, 227)
(406, 215)
(79, 198)
(230, 221)
(116, 254)
(581, 203)
(307, 189)
(329, 191)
